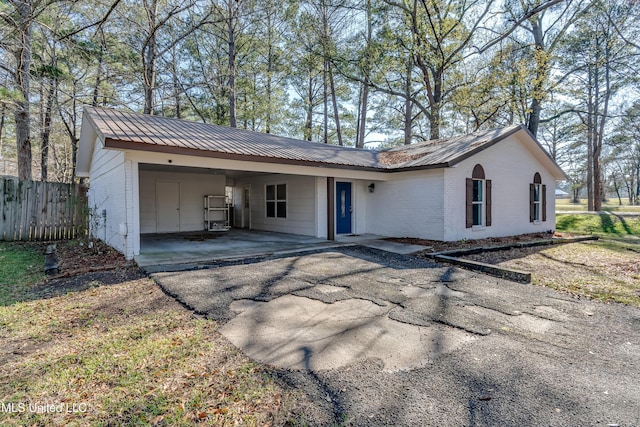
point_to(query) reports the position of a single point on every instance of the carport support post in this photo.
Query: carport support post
(330, 208)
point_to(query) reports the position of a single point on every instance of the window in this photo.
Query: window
(478, 184)
(276, 198)
(478, 199)
(537, 200)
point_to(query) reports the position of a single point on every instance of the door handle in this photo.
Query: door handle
(350, 209)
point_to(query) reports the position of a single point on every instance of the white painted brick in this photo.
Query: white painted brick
(107, 188)
(510, 167)
(407, 206)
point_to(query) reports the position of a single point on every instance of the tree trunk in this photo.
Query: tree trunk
(336, 114)
(3, 111)
(434, 119)
(408, 105)
(362, 113)
(362, 124)
(359, 110)
(149, 58)
(590, 115)
(96, 87)
(597, 195)
(46, 128)
(270, 67)
(408, 120)
(541, 75)
(232, 63)
(325, 101)
(308, 124)
(176, 87)
(22, 77)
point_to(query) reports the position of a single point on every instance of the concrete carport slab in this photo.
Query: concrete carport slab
(158, 251)
(184, 251)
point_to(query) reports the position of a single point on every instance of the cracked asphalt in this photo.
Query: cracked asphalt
(382, 339)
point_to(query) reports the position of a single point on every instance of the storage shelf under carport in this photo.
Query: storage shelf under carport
(216, 213)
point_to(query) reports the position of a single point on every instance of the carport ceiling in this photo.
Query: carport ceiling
(186, 169)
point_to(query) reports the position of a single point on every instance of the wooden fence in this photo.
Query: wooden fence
(34, 210)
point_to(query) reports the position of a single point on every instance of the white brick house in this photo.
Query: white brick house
(149, 174)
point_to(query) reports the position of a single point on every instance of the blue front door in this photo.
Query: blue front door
(343, 207)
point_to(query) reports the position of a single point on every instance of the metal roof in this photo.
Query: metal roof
(125, 130)
(155, 133)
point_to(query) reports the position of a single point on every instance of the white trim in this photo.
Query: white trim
(135, 192)
(240, 165)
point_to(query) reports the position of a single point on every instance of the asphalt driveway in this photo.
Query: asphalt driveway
(382, 339)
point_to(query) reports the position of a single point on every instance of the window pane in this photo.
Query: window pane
(477, 190)
(282, 209)
(282, 192)
(271, 192)
(536, 193)
(271, 209)
(536, 211)
(477, 214)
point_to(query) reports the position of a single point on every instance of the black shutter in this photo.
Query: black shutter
(469, 203)
(532, 189)
(544, 202)
(488, 214)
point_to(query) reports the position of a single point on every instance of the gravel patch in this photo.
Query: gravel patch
(537, 357)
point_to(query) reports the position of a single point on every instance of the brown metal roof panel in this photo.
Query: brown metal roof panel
(109, 126)
(145, 132)
(159, 131)
(444, 151)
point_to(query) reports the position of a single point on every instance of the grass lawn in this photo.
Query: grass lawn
(606, 225)
(607, 269)
(22, 265)
(125, 353)
(611, 205)
(604, 270)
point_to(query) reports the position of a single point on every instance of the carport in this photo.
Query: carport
(203, 246)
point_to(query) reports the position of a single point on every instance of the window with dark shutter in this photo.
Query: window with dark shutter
(478, 199)
(469, 203)
(537, 200)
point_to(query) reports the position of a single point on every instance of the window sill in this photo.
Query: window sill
(478, 228)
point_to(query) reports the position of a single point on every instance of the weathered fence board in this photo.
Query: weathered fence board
(35, 210)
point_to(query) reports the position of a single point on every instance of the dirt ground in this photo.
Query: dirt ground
(81, 267)
(608, 272)
(438, 246)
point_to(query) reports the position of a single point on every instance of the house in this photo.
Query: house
(149, 174)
